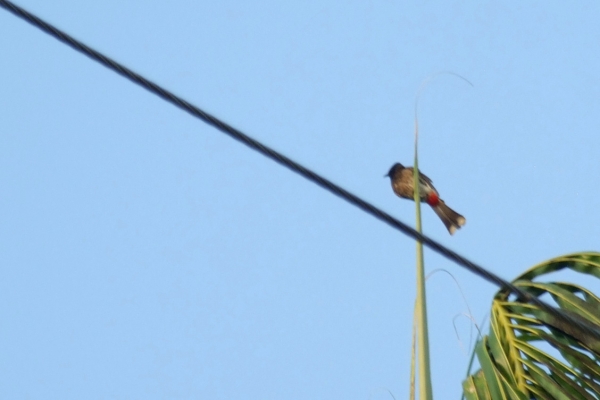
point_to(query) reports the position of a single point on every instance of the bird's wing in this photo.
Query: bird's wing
(422, 176)
(425, 178)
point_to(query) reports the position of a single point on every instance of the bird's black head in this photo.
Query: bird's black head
(392, 171)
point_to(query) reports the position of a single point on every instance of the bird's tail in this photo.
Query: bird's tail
(449, 217)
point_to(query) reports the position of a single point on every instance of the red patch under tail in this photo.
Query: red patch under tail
(433, 199)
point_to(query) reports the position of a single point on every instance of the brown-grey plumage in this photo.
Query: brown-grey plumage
(402, 182)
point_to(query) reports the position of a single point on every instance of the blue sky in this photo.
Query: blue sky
(145, 255)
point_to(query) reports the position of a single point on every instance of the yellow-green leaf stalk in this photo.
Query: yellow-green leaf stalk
(425, 390)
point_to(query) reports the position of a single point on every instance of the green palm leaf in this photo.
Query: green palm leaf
(529, 354)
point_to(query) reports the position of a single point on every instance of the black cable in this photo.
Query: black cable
(292, 165)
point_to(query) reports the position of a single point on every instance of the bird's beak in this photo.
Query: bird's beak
(386, 175)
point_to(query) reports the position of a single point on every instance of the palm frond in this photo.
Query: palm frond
(529, 354)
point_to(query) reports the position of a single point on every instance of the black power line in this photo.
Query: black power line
(294, 166)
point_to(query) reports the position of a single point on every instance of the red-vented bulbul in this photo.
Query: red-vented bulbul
(402, 183)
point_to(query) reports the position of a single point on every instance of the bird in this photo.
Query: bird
(402, 180)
